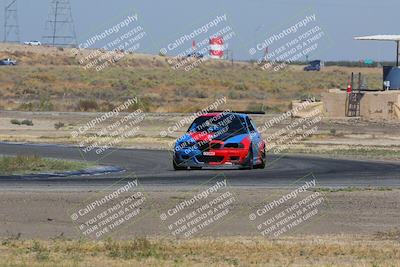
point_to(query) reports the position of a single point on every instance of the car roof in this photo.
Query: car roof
(227, 113)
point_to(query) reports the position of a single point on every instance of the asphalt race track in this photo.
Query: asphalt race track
(154, 170)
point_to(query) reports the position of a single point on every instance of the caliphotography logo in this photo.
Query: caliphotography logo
(195, 47)
(294, 209)
(109, 211)
(116, 41)
(210, 205)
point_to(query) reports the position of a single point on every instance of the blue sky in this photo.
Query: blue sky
(251, 20)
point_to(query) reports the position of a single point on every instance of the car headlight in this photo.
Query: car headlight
(184, 145)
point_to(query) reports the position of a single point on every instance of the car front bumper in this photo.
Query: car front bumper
(217, 157)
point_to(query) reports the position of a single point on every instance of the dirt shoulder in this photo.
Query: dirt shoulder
(46, 215)
(358, 228)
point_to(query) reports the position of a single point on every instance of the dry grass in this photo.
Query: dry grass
(309, 251)
(347, 151)
(48, 79)
(33, 164)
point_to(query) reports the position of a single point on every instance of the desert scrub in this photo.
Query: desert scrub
(15, 122)
(59, 125)
(23, 122)
(31, 164)
(63, 81)
(42, 105)
(87, 105)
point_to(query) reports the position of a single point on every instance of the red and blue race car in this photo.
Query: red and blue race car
(220, 139)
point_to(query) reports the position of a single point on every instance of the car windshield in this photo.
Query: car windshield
(228, 123)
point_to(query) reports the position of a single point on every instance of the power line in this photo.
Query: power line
(11, 25)
(60, 30)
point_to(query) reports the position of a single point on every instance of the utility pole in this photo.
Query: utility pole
(11, 25)
(60, 27)
(398, 52)
(229, 55)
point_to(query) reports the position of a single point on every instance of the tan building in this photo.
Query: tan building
(384, 105)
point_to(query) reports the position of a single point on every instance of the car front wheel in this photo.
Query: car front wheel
(248, 163)
(263, 160)
(177, 166)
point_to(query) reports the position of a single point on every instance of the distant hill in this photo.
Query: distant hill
(48, 78)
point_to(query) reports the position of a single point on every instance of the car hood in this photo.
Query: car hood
(195, 137)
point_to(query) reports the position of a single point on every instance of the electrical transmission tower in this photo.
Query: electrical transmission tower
(60, 30)
(11, 26)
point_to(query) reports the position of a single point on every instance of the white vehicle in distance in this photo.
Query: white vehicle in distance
(8, 62)
(33, 43)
